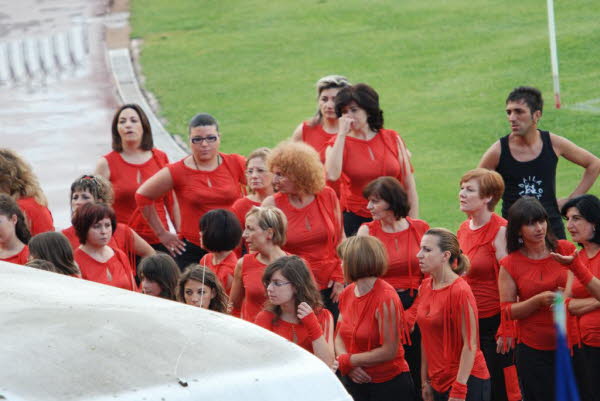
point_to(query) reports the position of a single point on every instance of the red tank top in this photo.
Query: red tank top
(223, 270)
(201, 191)
(126, 178)
(254, 290)
(402, 248)
(478, 245)
(440, 317)
(294, 332)
(38, 217)
(115, 272)
(531, 278)
(19, 258)
(589, 323)
(313, 233)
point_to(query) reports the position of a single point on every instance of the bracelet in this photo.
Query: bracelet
(344, 364)
(458, 390)
(583, 274)
(311, 323)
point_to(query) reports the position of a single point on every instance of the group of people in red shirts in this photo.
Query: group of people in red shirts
(318, 240)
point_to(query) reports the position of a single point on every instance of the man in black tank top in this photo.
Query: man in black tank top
(527, 158)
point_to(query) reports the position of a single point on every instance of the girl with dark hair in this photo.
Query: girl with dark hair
(55, 247)
(453, 367)
(205, 180)
(295, 310)
(14, 234)
(159, 275)
(198, 286)
(93, 223)
(220, 234)
(363, 150)
(132, 161)
(528, 279)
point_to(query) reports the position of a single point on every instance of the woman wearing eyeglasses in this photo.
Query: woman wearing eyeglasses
(205, 180)
(295, 310)
(132, 161)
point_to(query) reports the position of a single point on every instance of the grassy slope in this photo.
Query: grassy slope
(442, 69)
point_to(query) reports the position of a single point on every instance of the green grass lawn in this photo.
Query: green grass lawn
(442, 69)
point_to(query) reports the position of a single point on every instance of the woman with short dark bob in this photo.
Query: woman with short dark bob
(295, 310)
(54, 247)
(363, 150)
(93, 223)
(132, 161)
(528, 280)
(14, 234)
(159, 275)
(401, 236)
(199, 286)
(371, 329)
(205, 180)
(220, 235)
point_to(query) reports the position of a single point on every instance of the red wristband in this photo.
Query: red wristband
(344, 364)
(583, 274)
(458, 391)
(311, 323)
(142, 200)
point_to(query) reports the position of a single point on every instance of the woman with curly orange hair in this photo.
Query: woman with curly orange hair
(313, 211)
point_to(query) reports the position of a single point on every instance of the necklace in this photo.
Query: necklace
(196, 163)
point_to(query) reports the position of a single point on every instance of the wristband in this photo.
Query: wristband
(142, 201)
(458, 391)
(583, 274)
(344, 364)
(311, 323)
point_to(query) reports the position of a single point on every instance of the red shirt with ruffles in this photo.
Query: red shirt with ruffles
(402, 248)
(254, 290)
(19, 258)
(440, 315)
(482, 276)
(366, 160)
(294, 332)
(313, 233)
(533, 276)
(240, 208)
(222, 270)
(361, 331)
(126, 178)
(116, 271)
(201, 191)
(38, 217)
(588, 323)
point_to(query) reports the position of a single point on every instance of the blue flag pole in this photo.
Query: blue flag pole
(565, 384)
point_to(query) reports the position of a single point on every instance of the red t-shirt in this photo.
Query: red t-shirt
(240, 208)
(294, 332)
(478, 245)
(360, 330)
(366, 160)
(313, 233)
(440, 315)
(589, 323)
(223, 270)
(19, 258)
(116, 271)
(38, 217)
(531, 278)
(126, 178)
(402, 248)
(201, 191)
(254, 290)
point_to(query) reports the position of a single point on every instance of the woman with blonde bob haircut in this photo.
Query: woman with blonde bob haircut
(313, 212)
(371, 328)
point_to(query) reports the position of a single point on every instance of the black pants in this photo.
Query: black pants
(586, 362)
(536, 373)
(477, 390)
(400, 388)
(412, 353)
(495, 362)
(329, 304)
(352, 222)
(193, 253)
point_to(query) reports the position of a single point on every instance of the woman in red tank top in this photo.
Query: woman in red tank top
(14, 234)
(363, 150)
(528, 279)
(18, 180)
(371, 327)
(260, 186)
(199, 286)
(55, 248)
(132, 161)
(265, 234)
(453, 367)
(313, 215)
(97, 261)
(295, 309)
(159, 275)
(583, 289)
